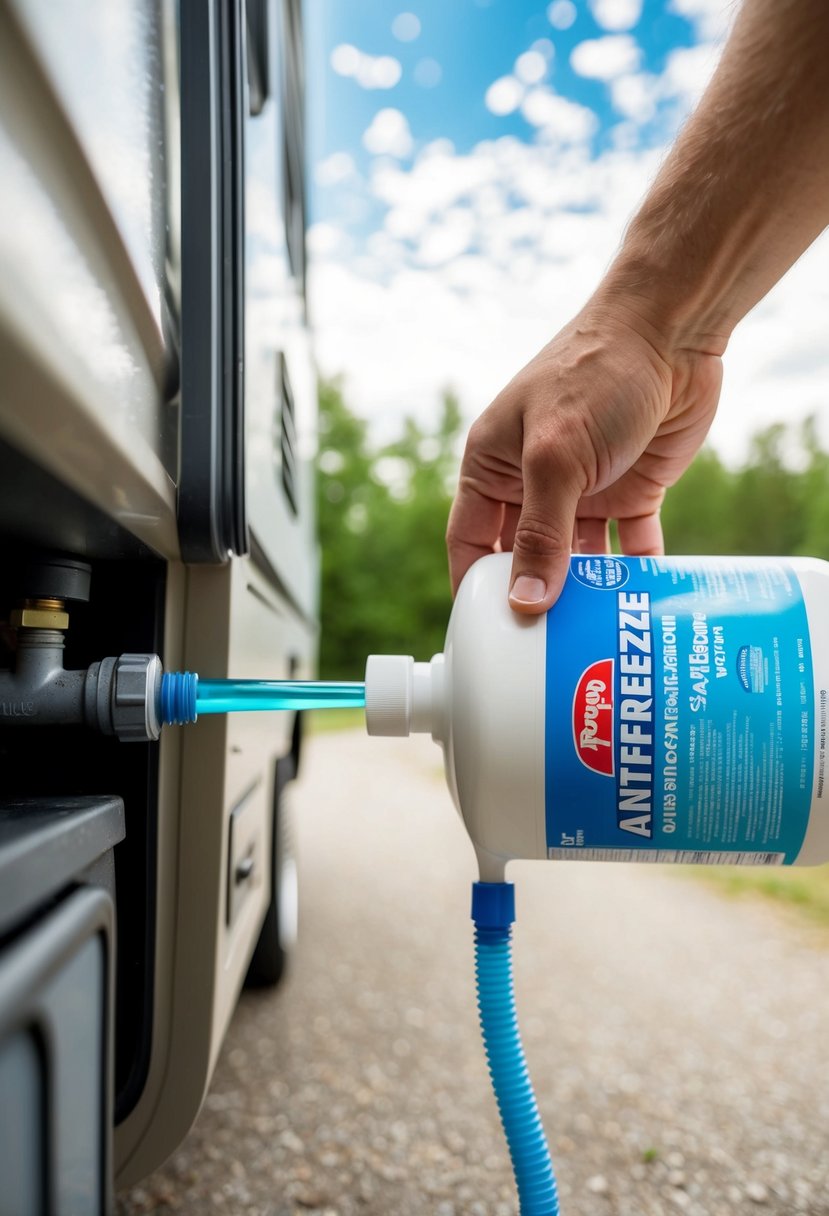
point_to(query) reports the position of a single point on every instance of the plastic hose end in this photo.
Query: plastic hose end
(493, 904)
(178, 697)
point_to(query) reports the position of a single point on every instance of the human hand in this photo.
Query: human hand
(594, 428)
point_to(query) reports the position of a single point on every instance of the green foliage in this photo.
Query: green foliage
(777, 503)
(382, 517)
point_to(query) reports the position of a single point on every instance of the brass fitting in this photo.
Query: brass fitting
(40, 614)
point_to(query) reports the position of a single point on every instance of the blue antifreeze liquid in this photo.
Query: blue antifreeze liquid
(184, 696)
(227, 696)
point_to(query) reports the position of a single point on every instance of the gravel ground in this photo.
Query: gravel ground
(678, 1042)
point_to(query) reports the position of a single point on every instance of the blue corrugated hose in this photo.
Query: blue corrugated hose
(178, 697)
(493, 911)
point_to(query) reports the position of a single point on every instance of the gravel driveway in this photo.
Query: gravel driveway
(678, 1042)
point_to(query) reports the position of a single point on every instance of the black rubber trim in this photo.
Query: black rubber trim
(211, 500)
(259, 35)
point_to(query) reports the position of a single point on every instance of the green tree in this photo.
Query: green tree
(382, 517)
(696, 509)
(814, 495)
(777, 502)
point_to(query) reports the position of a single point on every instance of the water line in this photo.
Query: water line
(227, 696)
(184, 696)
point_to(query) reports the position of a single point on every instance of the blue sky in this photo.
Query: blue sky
(472, 166)
(473, 44)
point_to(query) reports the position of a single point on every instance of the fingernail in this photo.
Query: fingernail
(527, 590)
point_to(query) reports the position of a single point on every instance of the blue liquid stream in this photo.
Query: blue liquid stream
(229, 696)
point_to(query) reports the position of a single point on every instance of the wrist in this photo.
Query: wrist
(673, 301)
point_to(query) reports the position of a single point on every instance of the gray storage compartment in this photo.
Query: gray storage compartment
(56, 983)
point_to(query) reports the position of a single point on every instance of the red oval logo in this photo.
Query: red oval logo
(593, 717)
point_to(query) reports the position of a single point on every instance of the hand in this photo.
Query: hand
(594, 428)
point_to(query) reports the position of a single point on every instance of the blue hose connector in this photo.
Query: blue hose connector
(178, 697)
(493, 911)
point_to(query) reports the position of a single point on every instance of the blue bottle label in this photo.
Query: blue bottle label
(679, 711)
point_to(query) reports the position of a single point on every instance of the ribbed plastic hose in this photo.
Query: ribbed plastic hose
(178, 697)
(493, 911)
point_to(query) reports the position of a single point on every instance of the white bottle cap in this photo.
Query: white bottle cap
(389, 694)
(404, 697)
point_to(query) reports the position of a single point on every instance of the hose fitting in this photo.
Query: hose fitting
(122, 697)
(178, 697)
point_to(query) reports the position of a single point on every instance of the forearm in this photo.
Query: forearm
(745, 188)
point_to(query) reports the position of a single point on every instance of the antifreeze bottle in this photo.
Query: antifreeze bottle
(665, 709)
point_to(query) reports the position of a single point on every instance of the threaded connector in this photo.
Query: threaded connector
(121, 697)
(178, 697)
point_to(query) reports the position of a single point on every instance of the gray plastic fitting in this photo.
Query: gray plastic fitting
(122, 697)
(117, 696)
(136, 697)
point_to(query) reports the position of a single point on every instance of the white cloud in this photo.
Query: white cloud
(438, 179)
(606, 58)
(482, 257)
(531, 67)
(559, 118)
(345, 59)
(711, 19)
(335, 169)
(447, 238)
(639, 96)
(369, 71)
(777, 363)
(625, 136)
(504, 95)
(687, 72)
(323, 239)
(507, 93)
(615, 15)
(635, 96)
(406, 27)
(561, 14)
(388, 134)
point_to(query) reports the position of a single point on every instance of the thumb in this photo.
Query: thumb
(543, 540)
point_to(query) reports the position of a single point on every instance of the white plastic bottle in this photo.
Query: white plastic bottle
(665, 709)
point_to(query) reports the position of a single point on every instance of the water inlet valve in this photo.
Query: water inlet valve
(117, 696)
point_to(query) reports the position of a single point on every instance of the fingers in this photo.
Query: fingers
(541, 559)
(474, 527)
(641, 536)
(592, 536)
(543, 535)
(512, 513)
